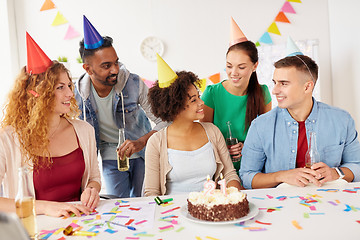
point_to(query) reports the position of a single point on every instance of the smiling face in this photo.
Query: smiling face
(63, 93)
(292, 88)
(239, 68)
(194, 106)
(103, 67)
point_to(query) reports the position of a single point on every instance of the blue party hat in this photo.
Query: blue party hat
(291, 48)
(92, 38)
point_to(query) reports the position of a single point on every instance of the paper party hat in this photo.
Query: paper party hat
(236, 35)
(92, 38)
(291, 48)
(37, 60)
(165, 74)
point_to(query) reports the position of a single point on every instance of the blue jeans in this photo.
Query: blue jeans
(124, 184)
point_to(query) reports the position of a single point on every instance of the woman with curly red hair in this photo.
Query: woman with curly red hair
(39, 131)
(179, 158)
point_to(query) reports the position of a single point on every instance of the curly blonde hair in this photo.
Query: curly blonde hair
(29, 105)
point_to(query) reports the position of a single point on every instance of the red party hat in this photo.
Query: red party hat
(37, 60)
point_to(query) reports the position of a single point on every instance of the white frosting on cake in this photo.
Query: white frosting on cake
(233, 196)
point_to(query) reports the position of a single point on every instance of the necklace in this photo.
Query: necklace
(55, 129)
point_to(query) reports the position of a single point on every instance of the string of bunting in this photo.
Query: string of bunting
(60, 20)
(280, 17)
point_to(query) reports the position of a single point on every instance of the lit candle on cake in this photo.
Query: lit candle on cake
(209, 186)
(222, 184)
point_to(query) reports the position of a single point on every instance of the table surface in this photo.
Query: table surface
(291, 212)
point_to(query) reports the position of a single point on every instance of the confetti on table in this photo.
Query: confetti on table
(212, 238)
(358, 221)
(170, 210)
(110, 231)
(337, 201)
(124, 205)
(132, 238)
(331, 202)
(263, 222)
(129, 222)
(174, 221)
(198, 238)
(296, 224)
(260, 198)
(134, 209)
(140, 222)
(312, 208)
(317, 213)
(98, 217)
(348, 208)
(165, 227)
(270, 197)
(145, 235)
(306, 215)
(328, 190)
(62, 238)
(180, 229)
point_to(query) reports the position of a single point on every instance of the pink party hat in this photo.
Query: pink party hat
(236, 35)
(37, 60)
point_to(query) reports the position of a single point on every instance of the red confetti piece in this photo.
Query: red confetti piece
(135, 209)
(358, 221)
(129, 222)
(124, 206)
(263, 222)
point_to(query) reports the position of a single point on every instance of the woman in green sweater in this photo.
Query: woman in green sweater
(240, 98)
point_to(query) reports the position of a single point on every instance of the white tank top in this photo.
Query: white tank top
(190, 169)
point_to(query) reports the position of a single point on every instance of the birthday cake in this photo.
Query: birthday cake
(216, 206)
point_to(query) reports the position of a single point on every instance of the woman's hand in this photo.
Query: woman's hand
(235, 150)
(58, 209)
(90, 197)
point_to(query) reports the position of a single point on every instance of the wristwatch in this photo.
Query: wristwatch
(340, 172)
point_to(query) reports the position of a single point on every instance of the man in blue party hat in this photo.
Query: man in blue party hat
(276, 149)
(111, 99)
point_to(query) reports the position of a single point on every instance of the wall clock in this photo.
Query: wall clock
(150, 46)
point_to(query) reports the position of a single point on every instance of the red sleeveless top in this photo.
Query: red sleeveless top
(62, 181)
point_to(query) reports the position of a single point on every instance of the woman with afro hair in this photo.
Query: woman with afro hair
(179, 158)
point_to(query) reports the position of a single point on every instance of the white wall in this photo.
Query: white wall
(195, 33)
(344, 21)
(9, 64)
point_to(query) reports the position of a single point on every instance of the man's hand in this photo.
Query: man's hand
(300, 177)
(328, 174)
(131, 146)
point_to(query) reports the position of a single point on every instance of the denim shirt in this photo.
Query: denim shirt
(271, 143)
(135, 102)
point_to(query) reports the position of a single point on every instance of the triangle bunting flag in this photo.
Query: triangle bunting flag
(59, 20)
(281, 17)
(48, 4)
(215, 78)
(71, 33)
(202, 85)
(287, 8)
(265, 38)
(274, 29)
